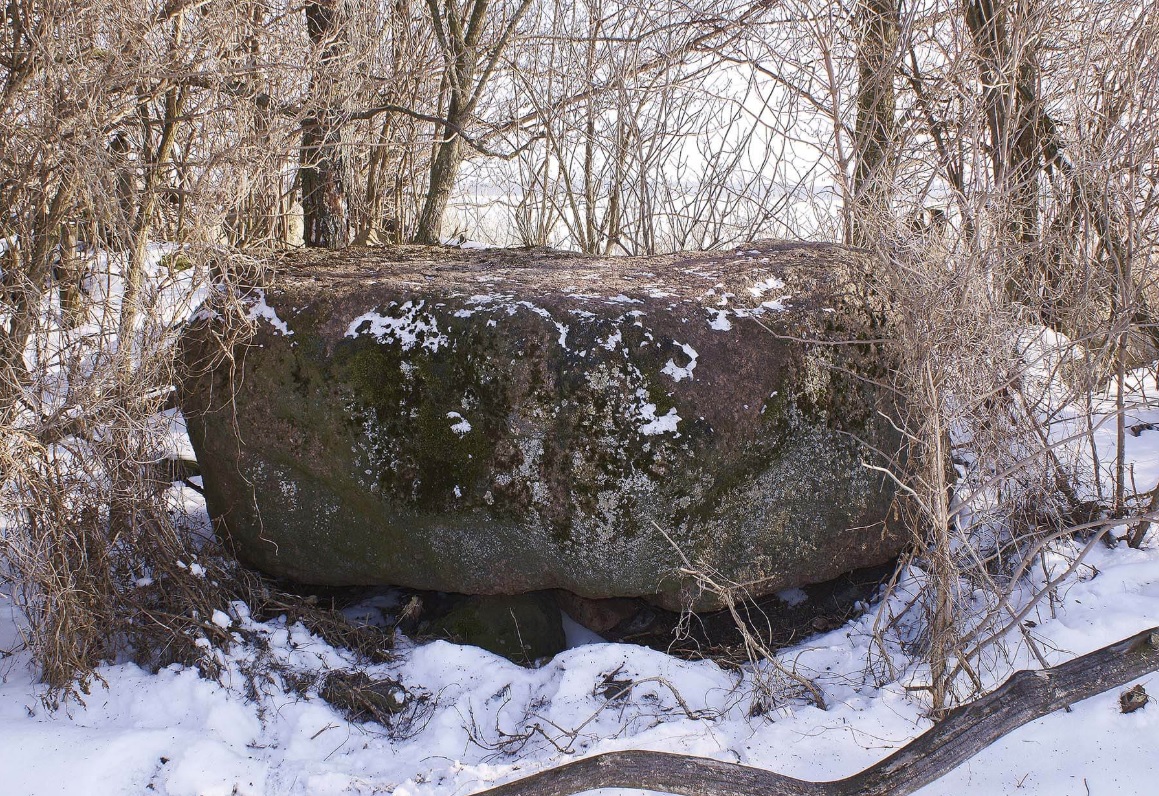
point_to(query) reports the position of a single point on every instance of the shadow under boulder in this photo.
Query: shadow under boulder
(528, 629)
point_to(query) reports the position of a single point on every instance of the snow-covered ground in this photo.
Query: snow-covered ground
(486, 720)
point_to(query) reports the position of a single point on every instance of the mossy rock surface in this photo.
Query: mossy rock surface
(522, 627)
(500, 422)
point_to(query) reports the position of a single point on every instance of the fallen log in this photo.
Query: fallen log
(965, 731)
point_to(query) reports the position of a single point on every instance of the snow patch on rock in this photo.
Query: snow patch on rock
(261, 309)
(720, 321)
(680, 373)
(653, 424)
(776, 305)
(765, 285)
(461, 427)
(413, 327)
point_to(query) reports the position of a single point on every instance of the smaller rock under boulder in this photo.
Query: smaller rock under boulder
(522, 628)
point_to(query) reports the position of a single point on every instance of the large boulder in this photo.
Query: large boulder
(500, 422)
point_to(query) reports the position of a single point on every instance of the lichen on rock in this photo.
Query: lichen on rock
(500, 422)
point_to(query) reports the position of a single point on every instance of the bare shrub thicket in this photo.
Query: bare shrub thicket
(1011, 196)
(637, 135)
(998, 156)
(1001, 160)
(121, 124)
(142, 146)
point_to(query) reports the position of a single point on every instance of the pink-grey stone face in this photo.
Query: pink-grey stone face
(496, 422)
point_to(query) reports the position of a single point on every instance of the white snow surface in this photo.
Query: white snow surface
(461, 426)
(175, 734)
(654, 424)
(260, 309)
(720, 321)
(663, 424)
(776, 305)
(409, 328)
(764, 286)
(678, 373)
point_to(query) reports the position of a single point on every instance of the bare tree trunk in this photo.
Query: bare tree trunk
(69, 275)
(322, 184)
(257, 218)
(1008, 69)
(322, 172)
(459, 32)
(375, 225)
(156, 162)
(444, 169)
(24, 276)
(875, 130)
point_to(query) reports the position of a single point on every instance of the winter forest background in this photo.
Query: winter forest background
(999, 158)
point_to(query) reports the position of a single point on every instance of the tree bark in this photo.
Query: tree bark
(323, 187)
(460, 40)
(459, 32)
(1008, 71)
(875, 126)
(964, 732)
(322, 171)
(444, 169)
